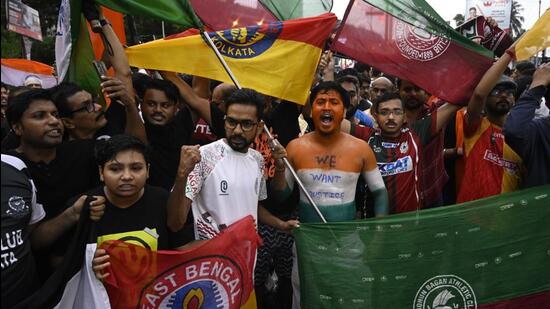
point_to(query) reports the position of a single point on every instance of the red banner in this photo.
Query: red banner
(217, 274)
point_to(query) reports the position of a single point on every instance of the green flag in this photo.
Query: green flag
(292, 9)
(482, 254)
(73, 50)
(178, 12)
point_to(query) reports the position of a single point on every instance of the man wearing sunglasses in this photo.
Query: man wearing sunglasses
(491, 166)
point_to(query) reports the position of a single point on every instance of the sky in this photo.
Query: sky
(449, 8)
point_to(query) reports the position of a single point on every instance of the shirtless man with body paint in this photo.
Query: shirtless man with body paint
(329, 164)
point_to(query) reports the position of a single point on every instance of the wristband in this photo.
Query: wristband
(104, 22)
(511, 53)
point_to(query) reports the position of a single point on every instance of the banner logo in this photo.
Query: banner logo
(206, 282)
(249, 42)
(418, 44)
(446, 291)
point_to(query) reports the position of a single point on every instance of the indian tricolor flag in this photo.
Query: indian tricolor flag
(490, 253)
(408, 39)
(277, 58)
(14, 72)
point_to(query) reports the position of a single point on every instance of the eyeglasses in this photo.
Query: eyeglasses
(89, 107)
(386, 112)
(507, 92)
(246, 125)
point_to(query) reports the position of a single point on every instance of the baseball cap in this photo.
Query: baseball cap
(506, 82)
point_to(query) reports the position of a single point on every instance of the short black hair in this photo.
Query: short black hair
(18, 104)
(4, 86)
(139, 80)
(348, 79)
(60, 95)
(384, 98)
(347, 72)
(247, 96)
(323, 87)
(107, 150)
(169, 89)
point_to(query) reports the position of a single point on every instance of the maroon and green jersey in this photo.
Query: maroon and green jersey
(399, 160)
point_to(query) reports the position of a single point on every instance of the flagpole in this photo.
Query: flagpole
(207, 38)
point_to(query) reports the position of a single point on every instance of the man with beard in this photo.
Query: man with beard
(529, 136)
(329, 163)
(353, 113)
(414, 101)
(398, 148)
(491, 166)
(223, 181)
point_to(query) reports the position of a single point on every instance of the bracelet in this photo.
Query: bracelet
(511, 53)
(104, 22)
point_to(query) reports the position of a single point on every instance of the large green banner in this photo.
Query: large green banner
(483, 254)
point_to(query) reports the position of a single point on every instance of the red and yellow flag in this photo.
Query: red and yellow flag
(217, 274)
(277, 59)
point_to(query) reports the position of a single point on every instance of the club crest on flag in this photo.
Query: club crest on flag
(207, 282)
(446, 291)
(246, 42)
(418, 44)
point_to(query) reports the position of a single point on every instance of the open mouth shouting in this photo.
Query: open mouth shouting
(326, 118)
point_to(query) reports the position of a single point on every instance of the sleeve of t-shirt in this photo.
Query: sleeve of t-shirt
(361, 132)
(185, 122)
(262, 194)
(425, 127)
(217, 124)
(195, 181)
(37, 212)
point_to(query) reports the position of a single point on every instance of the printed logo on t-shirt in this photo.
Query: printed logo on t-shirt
(404, 147)
(510, 166)
(390, 145)
(17, 207)
(402, 165)
(223, 187)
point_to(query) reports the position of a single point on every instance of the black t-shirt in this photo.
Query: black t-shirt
(140, 222)
(72, 172)
(165, 143)
(19, 210)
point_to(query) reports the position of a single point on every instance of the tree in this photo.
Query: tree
(459, 19)
(516, 20)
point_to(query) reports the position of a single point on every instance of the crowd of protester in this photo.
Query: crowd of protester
(366, 144)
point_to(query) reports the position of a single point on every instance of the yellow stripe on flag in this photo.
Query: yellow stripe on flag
(285, 70)
(536, 39)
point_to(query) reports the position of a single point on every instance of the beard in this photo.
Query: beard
(412, 103)
(500, 108)
(238, 143)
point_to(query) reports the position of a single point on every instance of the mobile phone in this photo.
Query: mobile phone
(100, 68)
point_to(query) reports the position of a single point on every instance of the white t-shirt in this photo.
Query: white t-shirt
(225, 186)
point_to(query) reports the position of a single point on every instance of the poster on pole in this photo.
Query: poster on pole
(499, 10)
(23, 19)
